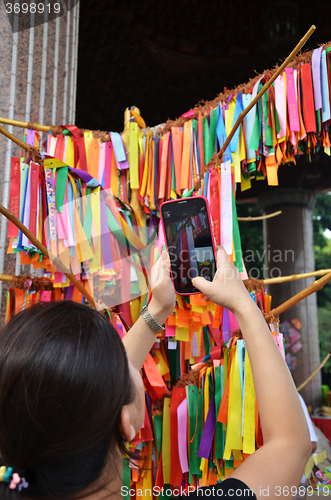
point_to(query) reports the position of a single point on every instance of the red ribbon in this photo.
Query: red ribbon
(215, 204)
(200, 138)
(59, 148)
(308, 98)
(176, 474)
(109, 151)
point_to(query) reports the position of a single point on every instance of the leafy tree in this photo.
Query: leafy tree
(324, 327)
(251, 234)
(322, 245)
(252, 239)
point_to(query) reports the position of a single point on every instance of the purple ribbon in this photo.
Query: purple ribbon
(226, 326)
(86, 177)
(31, 137)
(316, 67)
(207, 437)
(149, 407)
(69, 292)
(105, 242)
(152, 225)
(228, 102)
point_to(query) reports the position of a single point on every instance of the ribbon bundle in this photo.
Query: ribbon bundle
(26, 290)
(211, 417)
(95, 204)
(161, 163)
(101, 240)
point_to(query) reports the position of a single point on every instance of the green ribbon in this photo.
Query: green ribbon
(251, 167)
(87, 225)
(255, 137)
(173, 363)
(158, 425)
(189, 193)
(318, 121)
(236, 237)
(205, 128)
(60, 188)
(173, 174)
(212, 133)
(195, 403)
(259, 175)
(219, 425)
(206, 340)
(167, 493)
(126, 477)
(268, 129)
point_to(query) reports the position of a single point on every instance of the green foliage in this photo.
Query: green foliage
(322, 245)
(321, 218)
(251, 234)
(252, 240)
(324, 327)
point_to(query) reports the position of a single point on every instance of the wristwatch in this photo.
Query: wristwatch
(151, 321)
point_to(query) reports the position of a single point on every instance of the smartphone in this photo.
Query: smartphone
(190, 243)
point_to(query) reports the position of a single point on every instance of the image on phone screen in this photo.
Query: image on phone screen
(189, 242)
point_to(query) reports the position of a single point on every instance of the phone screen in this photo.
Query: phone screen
(189, 241)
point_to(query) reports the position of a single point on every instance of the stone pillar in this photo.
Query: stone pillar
(37, 83)
(289, 250)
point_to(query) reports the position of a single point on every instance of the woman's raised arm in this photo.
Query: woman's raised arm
(278, 465)
(140, 338)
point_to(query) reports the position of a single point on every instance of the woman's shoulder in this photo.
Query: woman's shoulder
(229, 488)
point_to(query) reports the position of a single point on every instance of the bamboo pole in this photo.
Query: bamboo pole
(264, 89)
(56, 261)
(314, 287)
(33, 126)
(6, 277)
(17, 123)
(294, 277)
(259, 217)
(14, 138)
(218, 157)
(33, 151)
(315, 372)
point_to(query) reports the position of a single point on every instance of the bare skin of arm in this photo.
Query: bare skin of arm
(140, 338)
(278, 465)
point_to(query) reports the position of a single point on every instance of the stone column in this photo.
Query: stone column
(37, 83)
(289, 250)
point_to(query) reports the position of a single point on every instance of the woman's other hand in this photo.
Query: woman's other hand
(227, 288)
(163, 294)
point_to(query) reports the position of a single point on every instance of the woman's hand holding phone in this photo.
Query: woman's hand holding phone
(139, 340)
(286, 442)
(163, 294)
(226, 289)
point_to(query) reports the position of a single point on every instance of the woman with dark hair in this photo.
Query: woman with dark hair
(71, 396)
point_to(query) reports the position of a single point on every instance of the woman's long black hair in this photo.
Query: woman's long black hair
(64, 378)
